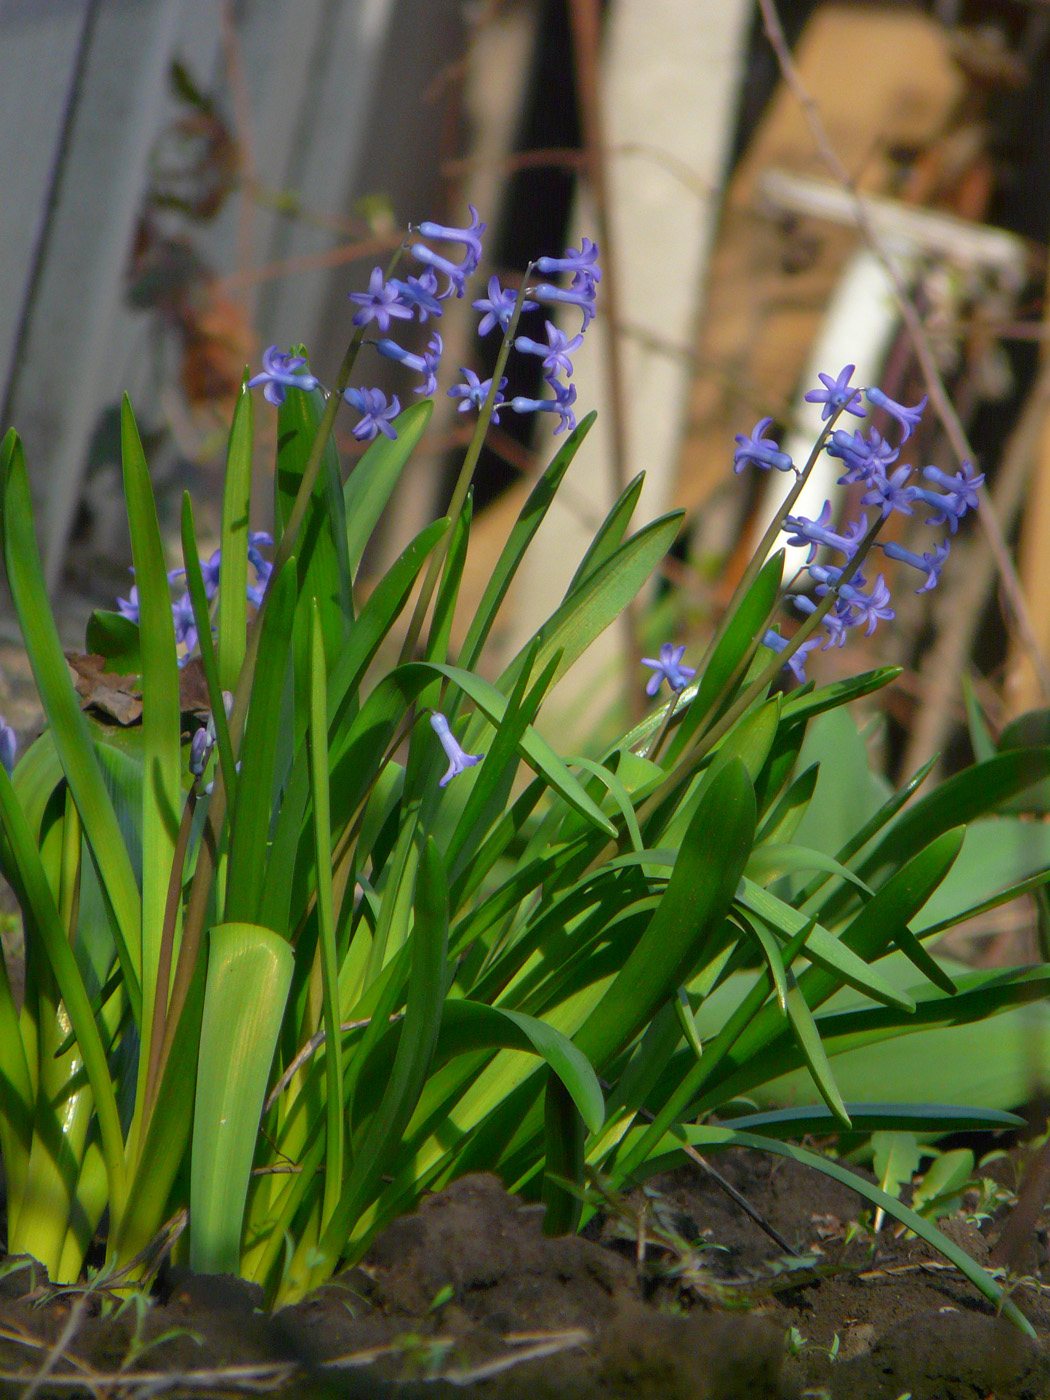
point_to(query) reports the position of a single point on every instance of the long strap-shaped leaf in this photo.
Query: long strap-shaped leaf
(233, 566)
(414, 1051)
(161, 776)
(694, 904)
(39, 904)
(69, 727)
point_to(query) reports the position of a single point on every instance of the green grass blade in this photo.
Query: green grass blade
(528, 522)
(333, 1061)
(371, 483)
(250, 823)
(249, 973)
(692, 908)
(206, 643)
(34, 891)
(610, 533)
(836, 961)
(598, 601)
(729, 655)
(807, 1038)
(233, 566)
(958, 800)
(805, 1120)
(805, 705)
(162, 797)
(69, 727)
(534, 749)
(416, 1043)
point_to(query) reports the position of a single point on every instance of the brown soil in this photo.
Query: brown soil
(676, 1295)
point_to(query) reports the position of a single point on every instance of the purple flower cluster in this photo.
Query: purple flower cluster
(870, 460)
(401, 299)
(182, 607)
(555, 352)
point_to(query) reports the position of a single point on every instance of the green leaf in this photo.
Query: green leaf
(936, 1118)
(161, 716)
(836, 961)
(598, 601)
(563, 1159)
(693, 906)
(730, 654)
(69, 727)
(34, 893)
(333, 1060)
(958, 800)
(848, 794)
(321, 546)
(206, 643)
(534, 749)
(416, 1041)
(253, 802)
(768, 861)
(116, 637)
(610, 533)
(803, 705)
(371, 483)
(805, 1032)
(249, 974)
(944, 1181)
(233, 566)
(525, 527)
(782, 822)
(896, 1159)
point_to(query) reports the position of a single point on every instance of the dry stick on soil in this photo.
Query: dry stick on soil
(942, 404)
(727, 1186)
(58, 1352)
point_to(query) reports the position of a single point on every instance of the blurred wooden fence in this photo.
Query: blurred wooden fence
(85, 92)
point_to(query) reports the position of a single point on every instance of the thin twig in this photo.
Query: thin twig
(942, 404)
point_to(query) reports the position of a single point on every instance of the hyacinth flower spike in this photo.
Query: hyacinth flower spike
(561, 404)
(376, 413)
(908, 418)
(868, 608)
(668, 668)
(930, 564)
(475, 391)
(585, 261)
(281, 372)
(419, 294)
(581, 293)
(837, 395)
(815, 533)
(426, 364)
(796, 663)
(555, 353)
(498, 307)
(890, 493)
(836, 624)
(866, 457)
(129, 607)
(380, 303)
(457, 273)
(760, 451)
(458, 760)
